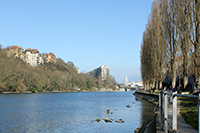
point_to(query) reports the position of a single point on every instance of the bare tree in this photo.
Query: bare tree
(184, 18)
(194, 37)
(171, 36)
(146, 60)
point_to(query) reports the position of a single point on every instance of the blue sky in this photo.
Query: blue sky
(90, 33)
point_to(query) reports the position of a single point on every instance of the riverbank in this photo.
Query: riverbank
(150, 126)
(30, 92)
(56, 91)
(152, 98)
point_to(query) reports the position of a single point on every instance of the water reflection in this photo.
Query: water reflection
(147, 111)
(71, 112)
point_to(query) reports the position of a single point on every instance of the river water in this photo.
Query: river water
(72, 112)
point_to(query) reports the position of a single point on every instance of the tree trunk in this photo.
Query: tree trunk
(147, 86)
(174, 79)
(185, 81)
(160, 84)
(154, 83)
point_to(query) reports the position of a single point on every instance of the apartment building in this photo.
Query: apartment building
(102, 71)
(33, 57)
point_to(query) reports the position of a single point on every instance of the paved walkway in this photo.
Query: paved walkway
(182, 126)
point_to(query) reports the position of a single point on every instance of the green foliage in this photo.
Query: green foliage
(119, 85)
(33, 89)
(188, 102)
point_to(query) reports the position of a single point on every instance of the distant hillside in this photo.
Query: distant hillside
(18, 76)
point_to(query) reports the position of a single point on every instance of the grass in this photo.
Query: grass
(189, 102)
(190, 111)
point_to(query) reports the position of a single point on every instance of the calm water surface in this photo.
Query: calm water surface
(72, 112)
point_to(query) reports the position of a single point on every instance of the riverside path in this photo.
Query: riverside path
(182, 126)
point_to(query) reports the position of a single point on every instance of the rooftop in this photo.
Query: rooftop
(32, 50)
(14, 47)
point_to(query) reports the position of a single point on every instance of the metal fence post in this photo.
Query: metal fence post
(166, 114)
(160, 106)
(199, 112)
(174, 112)
(161, 110)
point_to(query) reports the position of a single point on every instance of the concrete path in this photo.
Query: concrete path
(182, 126)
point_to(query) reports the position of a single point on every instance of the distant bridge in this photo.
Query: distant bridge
(127, 89)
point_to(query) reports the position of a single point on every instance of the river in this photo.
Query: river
(72, 112)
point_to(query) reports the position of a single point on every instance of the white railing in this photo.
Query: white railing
(174, 110)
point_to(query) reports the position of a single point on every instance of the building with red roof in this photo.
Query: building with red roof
(14, 51)
(33, 57)
(51, 57)
(30, 56)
